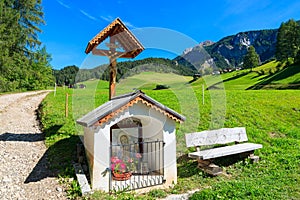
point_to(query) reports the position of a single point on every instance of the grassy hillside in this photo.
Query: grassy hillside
(271, 75)
(271, 118)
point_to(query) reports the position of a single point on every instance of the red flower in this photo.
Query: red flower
(121, 166)
(115, 160)
(113, 167)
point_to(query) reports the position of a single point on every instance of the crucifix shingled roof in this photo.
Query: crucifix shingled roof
(122, 44)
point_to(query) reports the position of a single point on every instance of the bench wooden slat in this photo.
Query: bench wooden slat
(225, 151)
(219, 136)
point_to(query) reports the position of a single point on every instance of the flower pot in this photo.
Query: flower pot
(121, 176)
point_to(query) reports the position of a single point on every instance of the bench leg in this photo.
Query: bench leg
(254, 158)
(209, 167)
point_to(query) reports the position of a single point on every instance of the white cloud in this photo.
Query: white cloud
(129, 25)
(242, 6)
(88, 15)
(108, 18)
(63, 4)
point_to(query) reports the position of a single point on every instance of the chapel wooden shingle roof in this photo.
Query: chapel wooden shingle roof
(120, 33)
(119, 104)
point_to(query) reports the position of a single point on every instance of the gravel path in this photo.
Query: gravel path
(24, 172)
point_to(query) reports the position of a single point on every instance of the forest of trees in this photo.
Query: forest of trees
(66, 76)
(129, 68)
(72, 74)
(24, 62)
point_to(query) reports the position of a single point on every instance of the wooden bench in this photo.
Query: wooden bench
(220, 136)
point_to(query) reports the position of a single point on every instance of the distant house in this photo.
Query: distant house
(82, 86)
(131, 127)
(216, 72)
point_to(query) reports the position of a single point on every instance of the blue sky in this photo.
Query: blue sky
(70, 24)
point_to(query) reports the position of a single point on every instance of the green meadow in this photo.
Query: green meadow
(241, 98)
(272, 75)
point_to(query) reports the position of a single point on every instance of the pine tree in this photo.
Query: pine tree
(21, 66)
(251, 59)
(288, 40)
(10, 53)
(30, 18)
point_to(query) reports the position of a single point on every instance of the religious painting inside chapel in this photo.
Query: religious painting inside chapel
(126, 139)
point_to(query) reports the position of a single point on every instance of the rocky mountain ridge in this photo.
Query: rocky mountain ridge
(229, 51)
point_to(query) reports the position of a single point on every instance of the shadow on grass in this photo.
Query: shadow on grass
(57, 160)
(279, 75)
(227, 161)
(187, 167)
(215, 86)
(52, 130)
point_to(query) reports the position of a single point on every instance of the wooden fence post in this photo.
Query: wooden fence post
(66, 107)
(202, 94)
(55, 89)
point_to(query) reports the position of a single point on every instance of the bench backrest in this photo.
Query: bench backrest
(219, 136)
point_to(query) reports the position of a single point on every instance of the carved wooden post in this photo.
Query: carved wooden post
(112, 78)
(113, 68)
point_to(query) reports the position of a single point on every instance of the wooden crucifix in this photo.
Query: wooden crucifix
(122, 44)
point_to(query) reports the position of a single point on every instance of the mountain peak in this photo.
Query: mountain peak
(206, 43)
